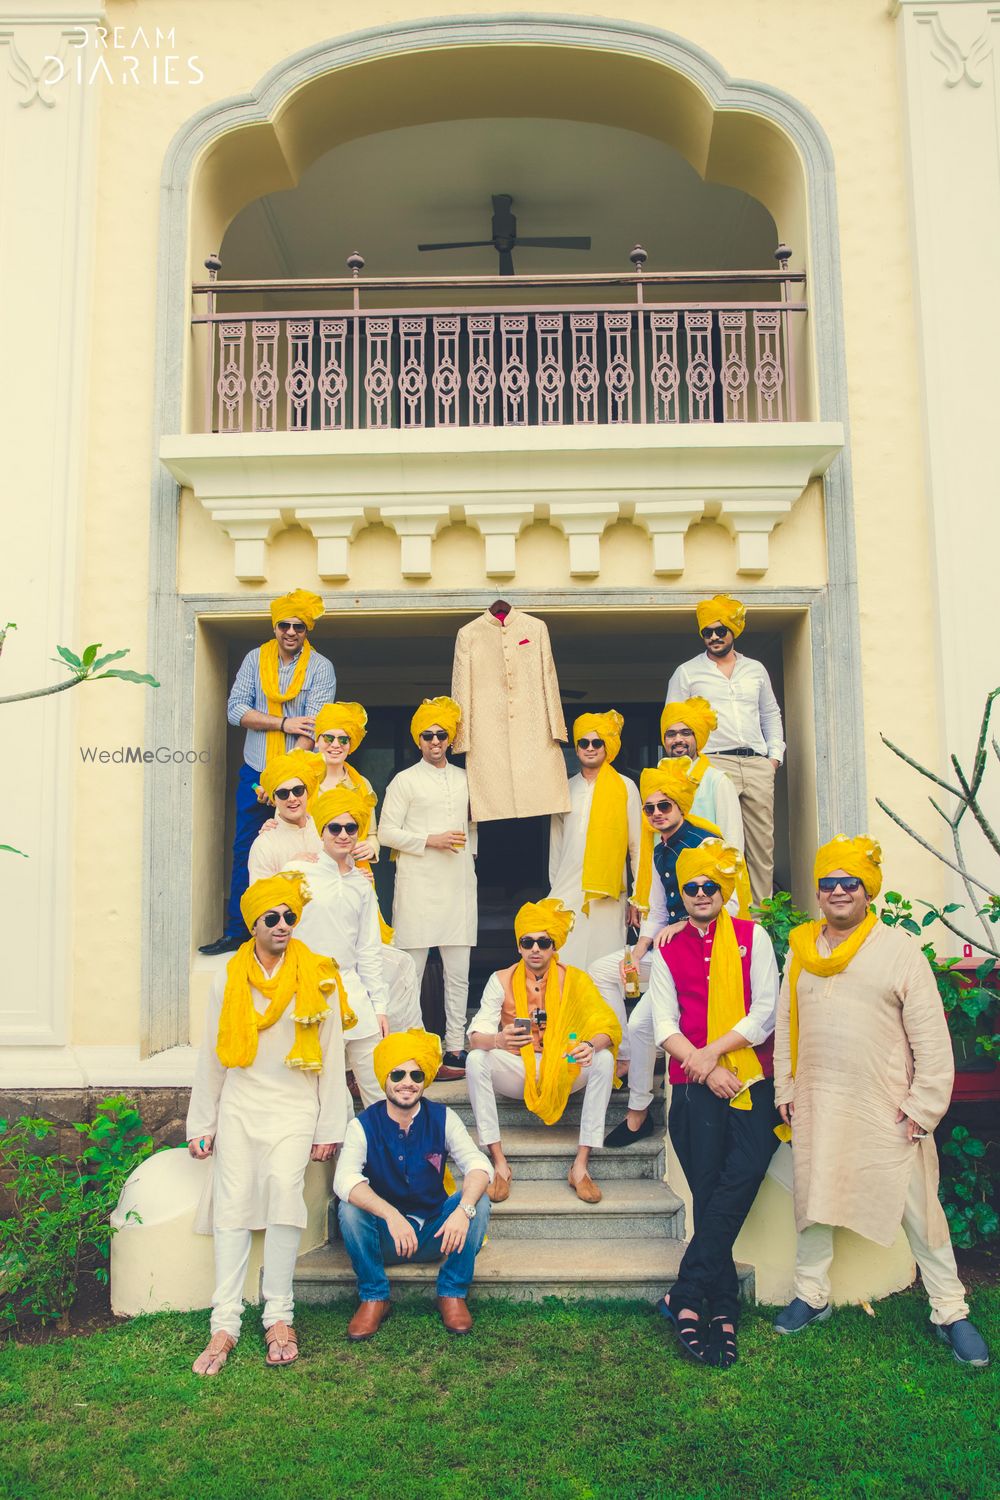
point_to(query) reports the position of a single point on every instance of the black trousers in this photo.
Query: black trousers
(725, 1153)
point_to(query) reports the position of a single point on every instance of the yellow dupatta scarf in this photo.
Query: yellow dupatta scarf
(268, 665)
(303, 974)
(726, 1006)
(806, 955)
(698, 768)
(574, 1005)
(606, 848)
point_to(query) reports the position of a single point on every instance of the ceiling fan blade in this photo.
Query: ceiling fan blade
(556, 241)
(456, 245)
(506, 263)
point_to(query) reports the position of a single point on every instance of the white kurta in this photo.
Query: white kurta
(265, 1118)
(717, 801)
(332, 782)
(603, 929)
(273, 848)
(435, 898)
(341, 922)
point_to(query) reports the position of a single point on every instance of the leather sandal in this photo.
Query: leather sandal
(217, 1352)
(687, 1329)
(586, 1189)
(722, 1351)
(279, 1337)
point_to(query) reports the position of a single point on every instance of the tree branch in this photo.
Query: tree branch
(929, 847)
(988, 947)
(918, 767)
(974, 807)
(59, 687)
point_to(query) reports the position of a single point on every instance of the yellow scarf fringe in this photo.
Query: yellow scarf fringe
(606, 848)
(726, 1005)
(806, 955)
(269, 662)
(572, 1005)
(303, 974)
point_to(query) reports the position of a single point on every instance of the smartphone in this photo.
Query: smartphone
(522, 1023)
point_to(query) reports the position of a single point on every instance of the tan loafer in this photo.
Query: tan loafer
(455, 1314)
(367, 1320)
(586, 1189)
(499, 1189)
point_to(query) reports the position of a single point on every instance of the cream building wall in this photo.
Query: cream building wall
(841, 63)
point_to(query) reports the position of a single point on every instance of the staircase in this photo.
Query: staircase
(543, 1242)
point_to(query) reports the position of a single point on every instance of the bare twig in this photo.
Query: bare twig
(918, 767)
(974, 807)
(930, 847)
(59, 687)
(979, 764)
(987, 947)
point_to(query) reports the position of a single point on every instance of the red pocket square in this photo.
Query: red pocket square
(525, 642)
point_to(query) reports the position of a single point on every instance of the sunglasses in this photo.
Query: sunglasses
(699, 887)
(545, 943)
(649, 808)
(397, 1075)
(594, 744)
(336, 739)
(711, 631)
(284, 792)
(292, 625)
(272, 918)
(337, 828)
(848, 883)
(433, 734)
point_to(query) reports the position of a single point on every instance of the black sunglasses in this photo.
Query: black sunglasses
(593, 744)
(284, 792)
(335, 828)
(696, 887)
(398, 1074)
(433, 734)
(545, 943)
(336, 739)
(711, 631)
(649, 808)
(292, 625)
(272, 918)
(848, 883)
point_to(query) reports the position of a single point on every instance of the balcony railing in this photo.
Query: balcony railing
(626, 349)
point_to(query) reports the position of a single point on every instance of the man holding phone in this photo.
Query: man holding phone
(394, 1203)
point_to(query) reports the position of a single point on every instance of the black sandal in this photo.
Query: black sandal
(722, 1351)
(687, 1329)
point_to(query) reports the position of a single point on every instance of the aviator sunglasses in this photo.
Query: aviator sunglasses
(849, 883)
(696, 887)
(397, 1075)
(649, 808)
(336, 739)
(711, 631)
(433, 734)
(291, 625)
(284, 792)
(594, 744)
(272, 918)
(527, 943)
(338, 828)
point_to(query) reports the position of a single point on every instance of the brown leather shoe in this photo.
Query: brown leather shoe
(367, 1320)
(499, 1189)
(455, 1315)
(586, 1189)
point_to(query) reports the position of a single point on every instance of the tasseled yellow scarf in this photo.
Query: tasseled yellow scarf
(726, 1005)
(806, 955)
(572, 1004)
(303, 974)
(606, 848)
(269, 662)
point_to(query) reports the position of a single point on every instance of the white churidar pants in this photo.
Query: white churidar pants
(638, 1046)
(814, 1255)
(455, 962)
(358, 1056)
(232, 1256)
(490, 1073)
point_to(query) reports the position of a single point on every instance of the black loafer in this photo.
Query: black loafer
(622, 1136)
(221, 945)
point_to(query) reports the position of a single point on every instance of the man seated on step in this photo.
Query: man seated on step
(669, 826)
(397, 1202)
(713, 990)
(288, 783)
(542, 1032)
(268, 1097)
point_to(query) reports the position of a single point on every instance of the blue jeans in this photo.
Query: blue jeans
(250, 816)
(369, 1244)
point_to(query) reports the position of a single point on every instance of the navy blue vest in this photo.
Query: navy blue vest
(406, 1167)
(665, 864)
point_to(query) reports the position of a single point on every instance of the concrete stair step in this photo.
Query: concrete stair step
(545, 1155)
(512, 1113)
(569, 1269)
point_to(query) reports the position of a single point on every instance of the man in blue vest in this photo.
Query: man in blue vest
(394, 1205)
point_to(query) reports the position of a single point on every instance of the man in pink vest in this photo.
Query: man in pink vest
(714, 990)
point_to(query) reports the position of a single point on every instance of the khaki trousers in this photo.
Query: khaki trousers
(753, 778)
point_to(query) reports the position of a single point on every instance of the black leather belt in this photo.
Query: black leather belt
(743, 750)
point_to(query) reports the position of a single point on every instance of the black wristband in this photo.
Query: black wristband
(283, 725)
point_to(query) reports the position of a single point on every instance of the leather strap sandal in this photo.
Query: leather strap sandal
(214, 1355)
(687, 1329)
(279, 1337)
(722, 1351)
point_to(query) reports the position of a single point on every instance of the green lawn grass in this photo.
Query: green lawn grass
(550, 1400)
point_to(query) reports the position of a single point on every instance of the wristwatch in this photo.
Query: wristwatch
(469, 1210)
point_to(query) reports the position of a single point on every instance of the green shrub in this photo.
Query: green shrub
(59, 1227)
(969, 1189)
(778, 915)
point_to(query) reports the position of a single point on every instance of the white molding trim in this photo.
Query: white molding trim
(28, 1068)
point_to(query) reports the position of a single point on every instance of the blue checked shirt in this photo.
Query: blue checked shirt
(319, 687)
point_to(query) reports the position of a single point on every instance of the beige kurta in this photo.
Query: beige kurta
(872, 1040)
(505, 680)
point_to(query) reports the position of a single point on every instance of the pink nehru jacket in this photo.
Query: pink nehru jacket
(687, 957)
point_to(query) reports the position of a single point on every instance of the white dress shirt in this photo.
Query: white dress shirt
(745, 705)
(353, 1154)
(341, 922)
(758, 1023)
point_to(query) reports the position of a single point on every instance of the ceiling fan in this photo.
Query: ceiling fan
(505, 237)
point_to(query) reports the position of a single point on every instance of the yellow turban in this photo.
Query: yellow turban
(443, 711)
(400, 1046)
(344, 799)
(285, 889)
(713, 859)
(305, 765)
(300, 604)
(545, 916)
(607, 727)
(724, 609)
(697, 713)
(350, 717)
(860, 856)
(673, 779)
